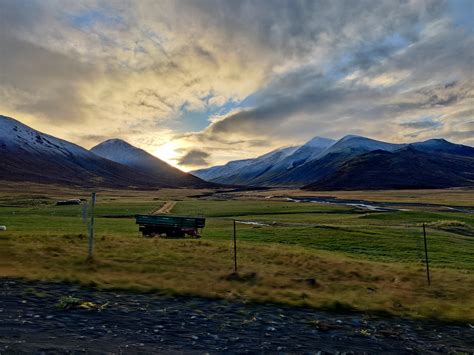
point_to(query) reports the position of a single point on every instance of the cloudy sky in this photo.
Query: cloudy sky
(201, 82)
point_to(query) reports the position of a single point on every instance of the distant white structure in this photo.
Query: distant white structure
(74, 201)
(3, 228)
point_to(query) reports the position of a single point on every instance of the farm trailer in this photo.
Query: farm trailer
(171, 226)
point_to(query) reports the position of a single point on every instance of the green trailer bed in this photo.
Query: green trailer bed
(171, 226)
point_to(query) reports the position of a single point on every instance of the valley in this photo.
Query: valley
(227, 177)
(352, 163)
(331, 229)
(27, 155)
(363, 260)
(321, 164)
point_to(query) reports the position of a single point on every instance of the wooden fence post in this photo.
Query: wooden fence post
(426, 256)
(91, 229)
(235, 249)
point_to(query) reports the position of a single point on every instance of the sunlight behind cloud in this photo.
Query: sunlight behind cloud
(168, 153)
(234, 79)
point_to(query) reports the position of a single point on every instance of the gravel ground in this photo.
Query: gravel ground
(32, 322)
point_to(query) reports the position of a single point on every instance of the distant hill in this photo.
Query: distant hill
(299, 157)
(259, 171)
(356, 162)
(326, 161)
(29, 155)
(245, 172)
(407, 168)
(119, 151)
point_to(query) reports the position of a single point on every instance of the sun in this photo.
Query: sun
(167, 152)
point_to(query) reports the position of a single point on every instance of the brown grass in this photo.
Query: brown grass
(203, 267)
(453, 196)
(267, 272)
(19, 189)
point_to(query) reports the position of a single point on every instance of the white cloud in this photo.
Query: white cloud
(128, 69)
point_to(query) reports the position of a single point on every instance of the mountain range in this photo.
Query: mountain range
(29, 155)
(353, 162)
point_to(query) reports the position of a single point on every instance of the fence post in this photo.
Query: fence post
(426, 256)
(91, 229)
(235, 249)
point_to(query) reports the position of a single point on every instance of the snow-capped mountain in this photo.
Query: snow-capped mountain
(17, 137)
(357, 144)
(232, 167)
(29, 155)
(405, 168)
(319, 142)
(119, 151)
(300, 156)
(236, 172)
(311, 148)
(440, 145)
(353, 162)
(259, 166)
(323, 160)
(256, 171)
(262, 170)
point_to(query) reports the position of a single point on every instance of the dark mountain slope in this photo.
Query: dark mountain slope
(407, 168)
(304, 153)
(124, 153)
(310, 171)
(435, 146)
(256, 168)
(29, 155)
(329, 160)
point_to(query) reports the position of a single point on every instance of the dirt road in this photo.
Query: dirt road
(31, 322)
(166, 208)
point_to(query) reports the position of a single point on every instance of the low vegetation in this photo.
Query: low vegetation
(323, 256)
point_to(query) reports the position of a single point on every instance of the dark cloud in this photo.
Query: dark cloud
(278, 109)
(17, 15)
(94, 138)
(194, 157)
(308, 67)
(422, 124)
(426, 74)
(368, 55)
(294, 28)
(43, 82)
(463, 135)
(144, 96)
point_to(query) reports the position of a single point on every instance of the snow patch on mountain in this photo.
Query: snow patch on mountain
(231, 167)
(319, 142)
(122, 152)
(358, 143)
(14, 136)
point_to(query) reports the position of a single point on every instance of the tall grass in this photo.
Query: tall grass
(314, 255)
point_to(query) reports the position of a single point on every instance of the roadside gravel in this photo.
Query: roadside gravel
(32, 322)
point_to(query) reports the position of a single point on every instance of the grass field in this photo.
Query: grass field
(455, 196)
(360, 260)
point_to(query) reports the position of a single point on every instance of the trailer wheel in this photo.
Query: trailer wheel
(147, 232)
(175, 234)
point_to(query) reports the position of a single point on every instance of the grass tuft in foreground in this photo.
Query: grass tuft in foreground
(272, 273)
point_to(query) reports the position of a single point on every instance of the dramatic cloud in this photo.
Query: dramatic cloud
(423, 124)
(194, 158)
(237, 78)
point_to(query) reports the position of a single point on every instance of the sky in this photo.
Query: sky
(201, 82)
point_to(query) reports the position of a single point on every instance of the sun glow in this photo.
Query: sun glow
(168, 153)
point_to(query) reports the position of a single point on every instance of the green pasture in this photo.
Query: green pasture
(347, 250)
(382, 236)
